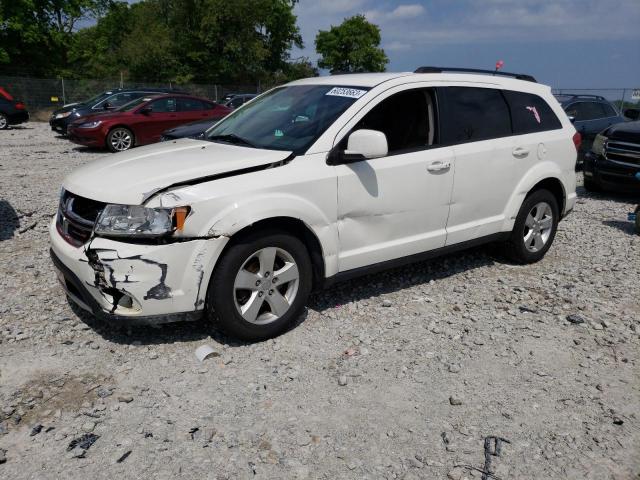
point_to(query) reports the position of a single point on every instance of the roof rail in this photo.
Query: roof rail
(518, 76)
(580, 95)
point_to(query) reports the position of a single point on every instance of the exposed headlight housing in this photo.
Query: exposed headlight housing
(598, 144)
(63, 115)
(93, 124)
(139, 221)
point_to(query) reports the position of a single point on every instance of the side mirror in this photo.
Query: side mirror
(361, 145)
(108, 106)
(572, 119)
(146, 110)
(632, 113)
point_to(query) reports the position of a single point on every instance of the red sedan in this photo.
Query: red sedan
(142, 121)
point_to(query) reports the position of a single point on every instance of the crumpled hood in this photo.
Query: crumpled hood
(131, 177)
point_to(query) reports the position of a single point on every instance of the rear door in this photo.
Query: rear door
(192, 109)
(476, 122)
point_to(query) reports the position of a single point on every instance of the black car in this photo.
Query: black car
(590, 115)
(190, 130)
(239, 99)
(106, 101)
(614, 159)
(12, 112)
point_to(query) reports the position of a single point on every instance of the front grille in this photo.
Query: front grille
(623, 152)
(76, 217)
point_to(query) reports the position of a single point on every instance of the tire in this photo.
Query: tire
(539, 214)
(4, 121)
(258, 312)
(637, 219)
(120, 139)
(591, 186)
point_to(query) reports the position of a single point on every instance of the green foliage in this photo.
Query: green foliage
(353, 46)
(243, 41)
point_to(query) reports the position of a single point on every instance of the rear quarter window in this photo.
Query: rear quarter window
(530, 113)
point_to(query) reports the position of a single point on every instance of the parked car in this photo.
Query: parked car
(103, 102)
(590, 115)
(142, 121)
(12, 111)
(614, 159)
(190, 130)
(315, 182)
(239, 99)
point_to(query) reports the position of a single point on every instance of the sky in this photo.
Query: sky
(563, 43)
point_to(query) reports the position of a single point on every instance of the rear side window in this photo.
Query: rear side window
(189, 105)
(608, 110)
(530, 113)
(472, 114)
(585, 111)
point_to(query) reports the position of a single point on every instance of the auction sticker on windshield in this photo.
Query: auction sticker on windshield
(346, 92)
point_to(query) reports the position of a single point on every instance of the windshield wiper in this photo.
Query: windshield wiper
(233, 138)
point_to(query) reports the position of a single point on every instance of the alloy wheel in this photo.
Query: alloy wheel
(120, 140)
(538, 226)
(3, 122)
(266, 285)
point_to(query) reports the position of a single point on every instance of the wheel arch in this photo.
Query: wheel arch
(295, 227)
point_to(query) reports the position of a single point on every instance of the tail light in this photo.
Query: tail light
(19, 106)
(577, 140)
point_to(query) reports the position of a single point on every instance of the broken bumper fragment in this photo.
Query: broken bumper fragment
(136, 283)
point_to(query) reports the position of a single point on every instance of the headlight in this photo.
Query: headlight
(139, 221)
(598, 144)
(63, 115)
(93, 124)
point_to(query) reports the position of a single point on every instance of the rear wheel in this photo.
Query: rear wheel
(120, 139)
(4, 122)
(260, 285)
(535, 228)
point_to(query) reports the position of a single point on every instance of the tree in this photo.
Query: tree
(36, 34)
(353, 46)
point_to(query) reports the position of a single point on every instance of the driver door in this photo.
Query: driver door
(397, 205)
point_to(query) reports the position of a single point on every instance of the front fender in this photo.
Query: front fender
(242, 214)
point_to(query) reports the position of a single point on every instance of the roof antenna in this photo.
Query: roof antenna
(499, 65)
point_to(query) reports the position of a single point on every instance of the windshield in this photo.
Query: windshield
(286, 118)
(127, 107)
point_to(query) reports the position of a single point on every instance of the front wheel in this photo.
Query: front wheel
(260, 285)
(4, 122)
(120, 139)
(535, 228)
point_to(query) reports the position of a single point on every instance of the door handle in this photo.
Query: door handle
(520, 152)
(438, 166)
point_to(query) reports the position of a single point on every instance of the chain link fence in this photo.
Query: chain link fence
(46, 94)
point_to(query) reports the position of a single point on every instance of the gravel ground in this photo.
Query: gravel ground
(398, 375)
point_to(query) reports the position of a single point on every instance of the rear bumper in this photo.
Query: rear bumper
(610, 175)
(133, 283)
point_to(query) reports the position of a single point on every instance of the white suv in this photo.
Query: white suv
(310, 183)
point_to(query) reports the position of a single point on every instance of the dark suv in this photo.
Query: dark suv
(12, 112)
(590, 115)
(109, 100)
(614, 160)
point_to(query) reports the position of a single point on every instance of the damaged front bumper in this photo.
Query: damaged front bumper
(136, 283)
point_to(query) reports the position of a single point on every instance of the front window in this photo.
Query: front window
(286, 118)
(133, 104)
